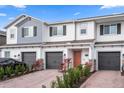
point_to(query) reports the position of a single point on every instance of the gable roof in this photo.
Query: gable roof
(11, 23)
(25, 17)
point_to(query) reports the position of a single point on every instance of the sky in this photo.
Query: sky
(53, 13)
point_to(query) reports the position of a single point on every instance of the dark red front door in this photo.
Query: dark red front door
(77, 58)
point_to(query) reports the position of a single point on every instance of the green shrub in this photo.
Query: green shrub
(9, 70)
(71, 77)
(1, 73)
(66, 80)
(80, 67)
(60, 82)
(17, 69)
(77, 74)
(86, 71)
(22, 68)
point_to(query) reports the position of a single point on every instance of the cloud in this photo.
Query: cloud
(77, 13)
(20, 6)
(110, 6)
(11, 18)
(3, 14)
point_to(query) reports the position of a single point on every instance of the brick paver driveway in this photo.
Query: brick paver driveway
(105, 79)
(32, 80)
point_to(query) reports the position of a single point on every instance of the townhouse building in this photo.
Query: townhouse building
(2, 38)
(97, 39)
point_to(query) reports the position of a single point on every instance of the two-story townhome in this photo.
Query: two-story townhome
(109, 42)
(70, 39)
(96, 39)
(24, 38)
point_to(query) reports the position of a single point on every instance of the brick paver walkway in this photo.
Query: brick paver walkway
(105, 79)
(32, 80)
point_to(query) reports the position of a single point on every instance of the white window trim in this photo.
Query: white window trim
(12, 31)
(110, 29)
(30, 34)
(5, 54)
(58, 35)
(83, 33)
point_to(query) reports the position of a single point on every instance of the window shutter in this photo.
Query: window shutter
(22, 32)
(101, 29)
(50, 29)
(119, 28)
(35, 31)
(64, 29)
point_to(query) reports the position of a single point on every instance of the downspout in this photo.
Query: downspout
(75, 34)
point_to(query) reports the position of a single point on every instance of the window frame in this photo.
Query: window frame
(56, 31)
(30, 32)
(12, 32)
(83, 32)
(110, 29)
(5, 54)
(25, 32)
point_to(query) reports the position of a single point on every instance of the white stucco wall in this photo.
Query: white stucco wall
(90, 30)
(17, 51)
(70, 30)
(8, 32)
(114, 37)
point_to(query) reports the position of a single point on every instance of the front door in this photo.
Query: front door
(77, 58)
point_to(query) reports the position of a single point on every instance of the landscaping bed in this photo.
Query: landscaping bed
(73, 77)
(11, 68)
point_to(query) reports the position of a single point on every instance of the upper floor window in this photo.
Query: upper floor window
(12, 35)
(110, 29)
(7, 54)
(83, 31)
(56, 31)
(83, 28)
(29, 31)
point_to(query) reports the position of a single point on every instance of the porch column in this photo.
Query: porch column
(90, 53)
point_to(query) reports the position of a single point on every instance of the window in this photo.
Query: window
(29, 31)
(7, 54)
(35, 31)
(12, 31)
(113, 28)
(110, 29)
(11, 35)
(106, 29)
(56, 31)
(26, 32)
(83, 31)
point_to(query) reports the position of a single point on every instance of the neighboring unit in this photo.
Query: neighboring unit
(2, 38)
(99, 40)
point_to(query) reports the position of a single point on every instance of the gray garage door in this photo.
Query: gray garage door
(109, 60)
(53, 60)
(29, 57)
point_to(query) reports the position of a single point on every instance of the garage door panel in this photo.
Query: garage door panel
(29, 57)
(109, 60)
(53, 60)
